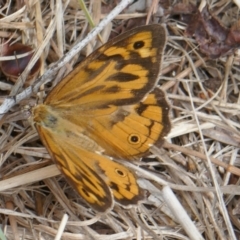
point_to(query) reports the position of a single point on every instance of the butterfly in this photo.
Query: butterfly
(107, 108)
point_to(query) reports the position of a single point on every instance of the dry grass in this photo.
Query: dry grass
(199, 160)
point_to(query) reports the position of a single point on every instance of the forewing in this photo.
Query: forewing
(92, 175)
(121, 72)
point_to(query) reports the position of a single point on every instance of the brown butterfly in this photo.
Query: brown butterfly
(106, 108)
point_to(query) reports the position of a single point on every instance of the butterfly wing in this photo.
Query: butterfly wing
(91, 174)
(108, 93)
(131, 130)
(123, 70)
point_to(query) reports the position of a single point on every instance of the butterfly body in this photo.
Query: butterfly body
(107, 107)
